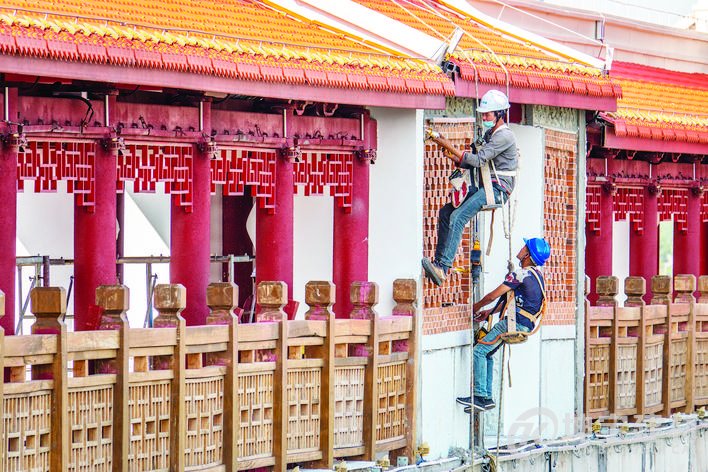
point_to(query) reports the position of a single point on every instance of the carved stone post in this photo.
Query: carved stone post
(635, 288)
(684, 286)
(169, 301)
(364, 295)
(222, 298)
(272, 298)
(607, 287)
(703, 288)
(319, 296)
(661, 289)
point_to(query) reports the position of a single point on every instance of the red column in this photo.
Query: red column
(644, 242)
(351, 230)
(95, 242)
(687, 244)
(8, 220)
(704, 249)
(274, 230)
(190, 236)
(598, 247)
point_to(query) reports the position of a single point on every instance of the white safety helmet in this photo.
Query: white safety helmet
(494, 100)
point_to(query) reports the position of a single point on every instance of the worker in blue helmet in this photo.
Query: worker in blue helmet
(529, 291)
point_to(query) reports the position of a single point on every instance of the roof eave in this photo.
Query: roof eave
(185, 80)
(527, 96)
(612, 141)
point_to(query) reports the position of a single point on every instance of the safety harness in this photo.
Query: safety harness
(512, 334)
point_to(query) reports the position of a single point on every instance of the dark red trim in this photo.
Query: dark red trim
(530, 96)
(185, 80)
(611, 140)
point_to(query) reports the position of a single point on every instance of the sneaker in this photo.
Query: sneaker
(434, 272)
(483, 404)
(466, 401)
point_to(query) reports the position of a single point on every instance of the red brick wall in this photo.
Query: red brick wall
(560, 213)
(446, 308)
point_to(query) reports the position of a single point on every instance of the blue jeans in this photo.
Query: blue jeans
(484, 360)
(452, 222)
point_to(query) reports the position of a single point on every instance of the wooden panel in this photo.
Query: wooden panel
(349, 407)
(91, 428)
(396, 324)
(352, 327)
(303, 409)
(152, 337)
(149, 407)
(204, 411)
(391, 408)
(257, 332)
(35, 344)
(91, 340)
(255, 392)
(207, 334)
(27, 426)
(301, 328)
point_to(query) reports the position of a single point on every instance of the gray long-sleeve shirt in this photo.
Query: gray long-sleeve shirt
(501, 149)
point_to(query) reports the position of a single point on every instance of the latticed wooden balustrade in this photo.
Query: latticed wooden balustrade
(643, 360)
(220, 397)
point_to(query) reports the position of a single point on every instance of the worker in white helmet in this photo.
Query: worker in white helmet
(499, 146)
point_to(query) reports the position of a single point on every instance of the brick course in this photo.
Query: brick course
(560, 213)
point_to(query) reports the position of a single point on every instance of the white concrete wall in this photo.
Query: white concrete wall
(620, 254)
(313, 233)
(396, 201)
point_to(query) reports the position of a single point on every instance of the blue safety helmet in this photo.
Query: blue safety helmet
(539, 250)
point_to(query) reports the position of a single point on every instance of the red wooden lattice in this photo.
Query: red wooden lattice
(592, 207)
(236, 168)
(319, 169)
(674, 202)
(47, 162)
(628, 202)
(704, 208)
(146, 164)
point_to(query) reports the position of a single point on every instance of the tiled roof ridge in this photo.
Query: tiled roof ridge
(644, 73)
(215, 41)
(243, 63)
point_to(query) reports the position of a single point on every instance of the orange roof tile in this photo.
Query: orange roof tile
(490, 51)
(239, 38)
(661, 104)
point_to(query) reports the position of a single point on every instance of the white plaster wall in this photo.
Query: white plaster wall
(313, 238)
(396, 201)
(620, 254)
(216, 236)
(445, 368)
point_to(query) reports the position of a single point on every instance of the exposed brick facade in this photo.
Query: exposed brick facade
(560, 213)
(446, 308)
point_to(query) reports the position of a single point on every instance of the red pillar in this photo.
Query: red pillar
(704, 249)
(8, 220)
(274, 230)
(95, 235)
(687, 244)
(351, 230)
(598, 247)
(190, 236)
(644, 242)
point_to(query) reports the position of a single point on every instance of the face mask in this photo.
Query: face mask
(488, 124)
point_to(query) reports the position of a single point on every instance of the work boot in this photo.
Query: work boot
(434, 272)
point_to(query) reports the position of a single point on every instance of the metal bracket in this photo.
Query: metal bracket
(367, 155)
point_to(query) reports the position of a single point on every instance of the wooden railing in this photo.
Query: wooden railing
(644, 360)
(220, 397)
